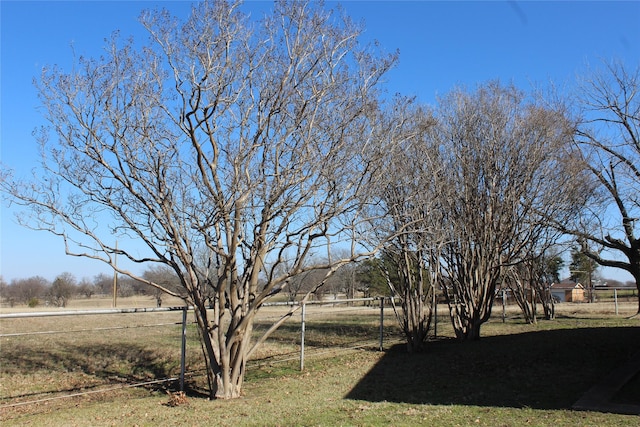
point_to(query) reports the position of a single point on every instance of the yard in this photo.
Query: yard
(518, 374)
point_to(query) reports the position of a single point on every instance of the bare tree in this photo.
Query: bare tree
(407, 195)
(346, 280)
(244, 141)
(28, 291)
(103, 284)
(62, 289)
(504, 160)
(546, 271)
(308, 282)
(163, 276)
(530, 284)
(3, 289)
(86, 288)
(609, 135)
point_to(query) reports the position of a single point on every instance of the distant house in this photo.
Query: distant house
(567, 291)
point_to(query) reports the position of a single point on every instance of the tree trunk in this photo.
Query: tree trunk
(522, 299)
(225, 362)
(469, 330)
(469, 310)
(419, 322)
(473, 333)
(466, 323)
(415, 319)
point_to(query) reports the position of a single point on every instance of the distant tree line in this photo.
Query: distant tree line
(36, 290)
(367, 278)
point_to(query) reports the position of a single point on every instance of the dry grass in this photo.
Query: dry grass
(518, 374)
(96, 302)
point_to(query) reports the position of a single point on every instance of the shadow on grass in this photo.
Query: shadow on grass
(111, 363)
(541, 370)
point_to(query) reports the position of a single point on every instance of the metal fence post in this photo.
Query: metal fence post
(504, 306)
(381, 323)
(435, 311)
(184, 347)
(615, 299)
(304, 309)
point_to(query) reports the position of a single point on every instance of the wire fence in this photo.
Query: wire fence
(54, 355)
(608, 301)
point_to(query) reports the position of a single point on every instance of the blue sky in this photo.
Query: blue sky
(441, 44)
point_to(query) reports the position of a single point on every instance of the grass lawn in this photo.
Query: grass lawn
(517, 374)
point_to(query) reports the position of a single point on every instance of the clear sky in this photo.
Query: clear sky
(441, 44)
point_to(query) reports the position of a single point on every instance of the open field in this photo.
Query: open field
(518, 374)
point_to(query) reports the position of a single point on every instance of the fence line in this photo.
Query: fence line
(184, 310)
(90, 312)
(108, 328)
(304, 304)
(103, 312)
(289, 356)
(333, 302)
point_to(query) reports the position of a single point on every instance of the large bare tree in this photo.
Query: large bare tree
(609, 135)
(504, 161)
(244, 140)
(408, 196)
